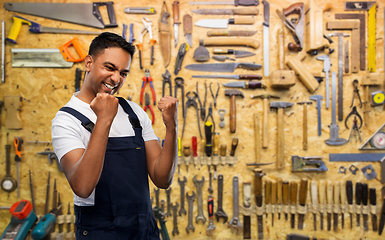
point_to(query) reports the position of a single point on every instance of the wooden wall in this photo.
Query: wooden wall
(45, 90)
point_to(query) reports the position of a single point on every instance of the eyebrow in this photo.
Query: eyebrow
(113, 65)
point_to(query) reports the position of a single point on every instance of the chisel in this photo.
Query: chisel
(329, 200)
(314, 201)
(382, 217)
(285, 198)
(273, 200)
(336, 207)
(349, 195)
(267, 197)
(322, 201)
(358, 201)
(365, 206)
(373, 207)
(302, 202)
(279, 197)
(258, 174)
(293, 202)
(343, 203)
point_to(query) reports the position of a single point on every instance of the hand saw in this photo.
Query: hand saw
(87, 14)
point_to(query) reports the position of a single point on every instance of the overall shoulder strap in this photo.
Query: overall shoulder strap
(132, 117)
(86, 122)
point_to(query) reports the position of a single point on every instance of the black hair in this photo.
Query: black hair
(106, 40)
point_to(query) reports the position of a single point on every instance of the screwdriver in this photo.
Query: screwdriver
(215, 153)
(194, 144)
(18, 142)
(208, 146)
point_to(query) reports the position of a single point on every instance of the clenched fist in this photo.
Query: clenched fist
(168, 106)
(105, 106)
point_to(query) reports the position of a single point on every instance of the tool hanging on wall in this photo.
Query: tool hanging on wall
(147, 79)
(282, 79)
(179, 58)
(164, 35)
(377, 98)
(258, 174)
(224, 23)
(2, 51)
(233, 117)
(18, 143)
(12, 105)
(334, 139)
(8, 183)
(297, 30)
(376, 141)
(235, 3)
(175, 11)
(314, 27)
(356, 92)
(304, 128)
(347, 57)
(146, 29)
(166, 80)
(303, 73)
(187, 29)
(266, 40)
(51, 156)
(35, 27)
(232, 11)
(307, 164)
(191, 102)
(230, 33)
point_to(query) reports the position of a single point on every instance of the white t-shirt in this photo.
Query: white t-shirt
(68, 133)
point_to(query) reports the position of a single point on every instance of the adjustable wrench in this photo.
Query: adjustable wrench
(220, 213)
(175, 221)
(168, 192)
(199, 185)
(182, 185)
(190, 200)
(235, 223)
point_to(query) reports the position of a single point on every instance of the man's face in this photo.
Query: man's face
(108, 70)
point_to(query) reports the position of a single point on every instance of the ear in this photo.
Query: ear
(88, 62)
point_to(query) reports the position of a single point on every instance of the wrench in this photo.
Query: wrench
(199, 185)
(210, 209)
(156, 191)
(220, 213)
(175, 221)
(190, 200)
(182, 185)
(168, 192)
(235, 223)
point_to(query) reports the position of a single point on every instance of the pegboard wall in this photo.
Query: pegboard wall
(45, 90)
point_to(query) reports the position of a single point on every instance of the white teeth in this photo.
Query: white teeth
(109, 86)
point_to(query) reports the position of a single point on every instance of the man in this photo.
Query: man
(107, 148)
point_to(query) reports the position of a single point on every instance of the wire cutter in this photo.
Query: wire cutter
(146, 29)
(147, 104)
(147, 79)
(191, 102)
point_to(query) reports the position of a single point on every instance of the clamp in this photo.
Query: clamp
(146, 29)
(147, 104)
(147, 79)
(216, 95)
(191, 102)
(356, 91)
(179, 81)
(353, 112)
(166, 79)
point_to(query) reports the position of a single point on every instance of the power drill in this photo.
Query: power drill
(45, 225)
(23, 218)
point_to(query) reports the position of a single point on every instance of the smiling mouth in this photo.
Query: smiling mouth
(110, 86)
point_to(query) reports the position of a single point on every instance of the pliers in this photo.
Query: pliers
(147, 79)
(166, 79)
(147, 102)
(216, 95)
(146, 29)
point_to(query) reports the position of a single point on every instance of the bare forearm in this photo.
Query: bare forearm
(163, 171)
(86, 172)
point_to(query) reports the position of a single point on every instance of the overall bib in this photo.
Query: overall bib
(122, 207)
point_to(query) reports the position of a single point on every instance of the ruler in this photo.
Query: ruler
(372, 38)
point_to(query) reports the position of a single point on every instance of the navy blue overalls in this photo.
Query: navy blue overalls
(122, 207)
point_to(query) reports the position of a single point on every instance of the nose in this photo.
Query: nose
(116, 77)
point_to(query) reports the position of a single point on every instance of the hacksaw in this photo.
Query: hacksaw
(86, 14)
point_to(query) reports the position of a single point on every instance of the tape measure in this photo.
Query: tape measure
(378, 98)
(372, 38)
(378, 140)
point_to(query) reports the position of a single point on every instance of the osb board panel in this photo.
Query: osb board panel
(45, 90)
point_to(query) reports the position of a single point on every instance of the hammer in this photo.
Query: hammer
(280, 140)
(304, 140)
(265, 125)
(232, 93)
